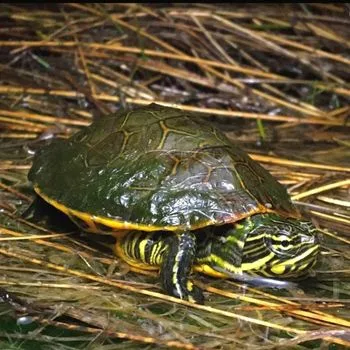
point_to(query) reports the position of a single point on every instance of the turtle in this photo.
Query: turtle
(178, 196)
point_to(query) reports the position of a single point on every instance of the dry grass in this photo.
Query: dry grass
(274, 77)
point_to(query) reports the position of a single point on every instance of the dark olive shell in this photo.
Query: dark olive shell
(156, 167)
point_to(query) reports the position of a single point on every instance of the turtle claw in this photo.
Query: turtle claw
(191, 293)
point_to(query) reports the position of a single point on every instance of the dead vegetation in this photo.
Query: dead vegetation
(274, 77)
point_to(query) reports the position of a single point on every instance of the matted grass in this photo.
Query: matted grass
(275, 78)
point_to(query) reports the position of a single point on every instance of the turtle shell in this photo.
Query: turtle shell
(154, 168)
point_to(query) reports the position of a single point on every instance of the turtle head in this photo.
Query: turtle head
(279, 247)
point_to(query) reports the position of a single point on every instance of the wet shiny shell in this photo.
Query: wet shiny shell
(154, 168)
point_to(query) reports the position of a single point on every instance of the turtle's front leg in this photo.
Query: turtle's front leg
(172, 253)
(177, 265)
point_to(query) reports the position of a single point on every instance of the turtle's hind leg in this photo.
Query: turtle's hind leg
(141, 249)
(41, 211)
(172, 253)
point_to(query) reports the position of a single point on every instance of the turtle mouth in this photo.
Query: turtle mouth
(256, 279)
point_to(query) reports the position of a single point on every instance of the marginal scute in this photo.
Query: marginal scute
(156, 167)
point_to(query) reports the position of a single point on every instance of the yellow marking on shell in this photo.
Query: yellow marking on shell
(126, 118)
(91, 227)
(114, 224)
(177, 162)
(125, 141)
(165, 133)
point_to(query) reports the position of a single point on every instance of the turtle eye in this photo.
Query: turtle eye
(284, 242)
(281, 244)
